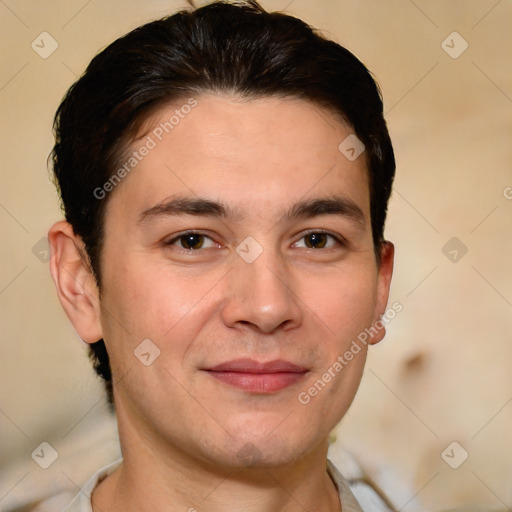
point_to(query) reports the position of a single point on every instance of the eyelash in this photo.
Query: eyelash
(337, 238)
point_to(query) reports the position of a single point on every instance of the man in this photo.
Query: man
(225, 174)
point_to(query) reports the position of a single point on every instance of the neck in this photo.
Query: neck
(152, 478)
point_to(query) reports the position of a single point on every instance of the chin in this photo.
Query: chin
(266, 440)
(261, 451)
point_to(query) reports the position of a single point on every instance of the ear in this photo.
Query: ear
(75, 283)
(385, 272)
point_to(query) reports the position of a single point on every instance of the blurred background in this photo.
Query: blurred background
(432, 422)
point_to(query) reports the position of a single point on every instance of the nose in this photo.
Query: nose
(260, 295)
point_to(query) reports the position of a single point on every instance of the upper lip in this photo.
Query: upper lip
(252, 366)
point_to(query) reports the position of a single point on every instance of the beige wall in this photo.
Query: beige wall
(443, 372)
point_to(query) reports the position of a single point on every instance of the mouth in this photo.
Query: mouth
(256, 377)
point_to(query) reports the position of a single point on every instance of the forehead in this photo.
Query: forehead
(220, 123)
(249, 151)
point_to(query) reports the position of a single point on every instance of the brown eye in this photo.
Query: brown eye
(316, 240)
(320, 240)
(192, 242)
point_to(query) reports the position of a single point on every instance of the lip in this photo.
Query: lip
(257, 377)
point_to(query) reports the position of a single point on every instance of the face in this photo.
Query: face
(240, 246)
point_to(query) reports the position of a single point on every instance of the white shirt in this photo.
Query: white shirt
(82, 501)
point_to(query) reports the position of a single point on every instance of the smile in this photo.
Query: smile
(256, 377)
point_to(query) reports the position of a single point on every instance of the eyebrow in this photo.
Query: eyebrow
(334, 205)
(184, 205)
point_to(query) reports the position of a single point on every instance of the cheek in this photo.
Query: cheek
(143, 301)
(344, 302)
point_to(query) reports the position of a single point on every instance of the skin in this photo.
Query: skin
(182, 430)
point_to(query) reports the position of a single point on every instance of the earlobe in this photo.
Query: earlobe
(74, 281)
(384, 281)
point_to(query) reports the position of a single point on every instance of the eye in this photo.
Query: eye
(192, 241)
(319, 240)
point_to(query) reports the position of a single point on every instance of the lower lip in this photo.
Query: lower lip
(258, 382)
